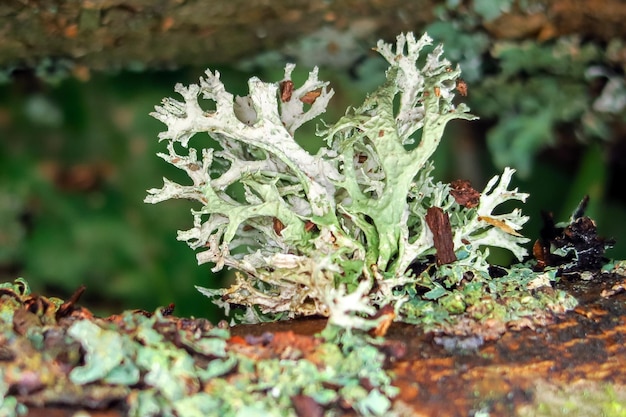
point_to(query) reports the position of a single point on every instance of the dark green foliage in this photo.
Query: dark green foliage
(75, 161)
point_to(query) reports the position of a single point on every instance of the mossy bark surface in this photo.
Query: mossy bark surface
(576, 361)
(139, 34)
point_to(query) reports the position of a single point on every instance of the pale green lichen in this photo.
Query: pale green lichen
(333, 233)
(155, 365)
(175, 382)
(7, 308)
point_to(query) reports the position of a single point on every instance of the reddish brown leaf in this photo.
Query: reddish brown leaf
(464, 194)
(286, 89)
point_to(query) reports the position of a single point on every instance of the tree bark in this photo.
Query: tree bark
(111, 34)
(140, 34)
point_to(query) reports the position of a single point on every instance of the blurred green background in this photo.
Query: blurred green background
(77, 152)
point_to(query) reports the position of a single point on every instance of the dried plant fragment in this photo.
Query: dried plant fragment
(286, 89)
(464, 194)
(439, 224)
(500, 224)
(461, 87)
(310, 97)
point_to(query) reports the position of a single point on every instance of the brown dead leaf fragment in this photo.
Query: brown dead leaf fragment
(278, 226)
(464, 194)
(286, 89)
(67, 307)
(311, 96)
(439, 223)
(309, 226)
(499, 224)
(461, 87)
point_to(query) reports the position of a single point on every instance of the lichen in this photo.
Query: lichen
(335, 233)
(151, 364)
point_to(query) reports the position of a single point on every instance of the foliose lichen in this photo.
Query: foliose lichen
(335, 233)
(152, 364)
